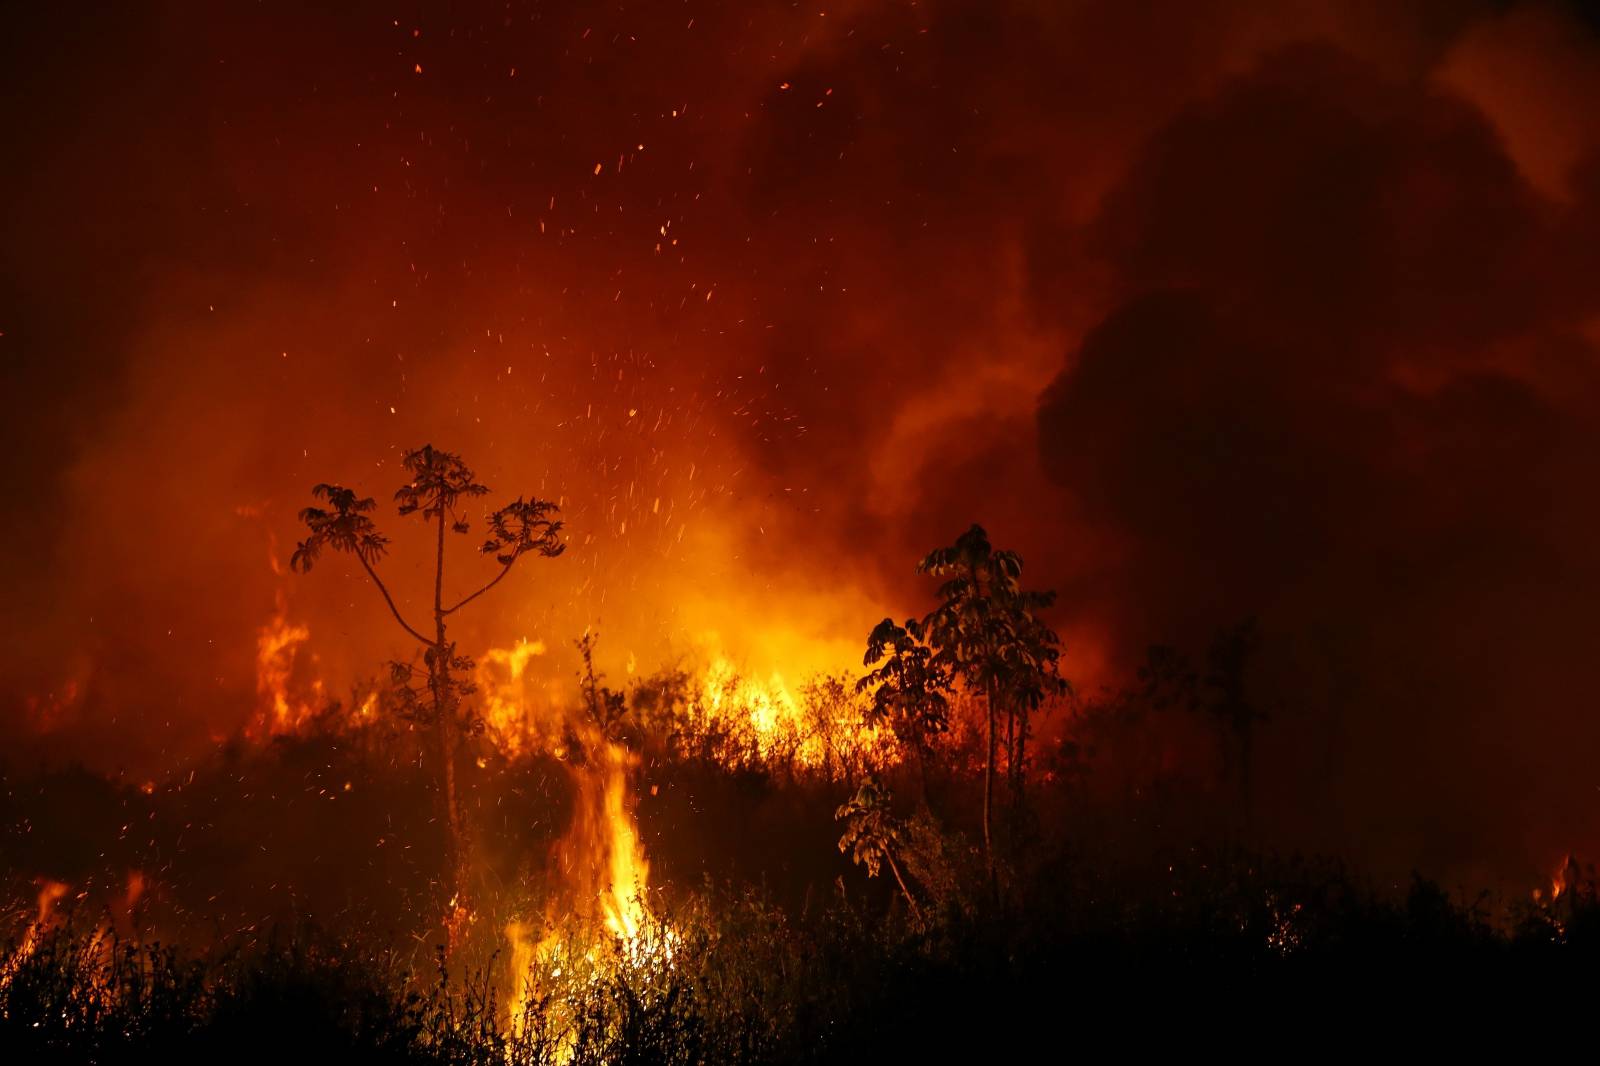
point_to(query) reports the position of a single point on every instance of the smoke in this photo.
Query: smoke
(1349, 390)
(1210, 310)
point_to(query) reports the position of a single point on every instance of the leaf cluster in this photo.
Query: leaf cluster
(910, 686)
(438, 480)
(870, 829)
(524, 526)
(344, 525)
(984, 628)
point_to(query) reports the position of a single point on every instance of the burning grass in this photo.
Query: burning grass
(298, 876)
(481, 861)
(730, 976)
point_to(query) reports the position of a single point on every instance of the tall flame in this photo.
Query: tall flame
(50, 893)
(601, 854)
(1565, 877)
(604, 876)
(281, 710)
(599, 872)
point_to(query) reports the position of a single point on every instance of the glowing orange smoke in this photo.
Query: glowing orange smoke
(48, 711)
(130, 900)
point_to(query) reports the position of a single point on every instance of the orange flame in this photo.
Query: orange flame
(599, 866)
(605, 876)
(1564, 878)
(601, 854)
(50, 893)
(502, 677)
(767, 721)
(281, 710)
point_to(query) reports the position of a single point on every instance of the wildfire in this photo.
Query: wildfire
(119, 920)
(601, 854)
(595, 907)
(604, 878)
(1562, 881)
(763, 720)
(281, 710)
(768, 708)
(50, 894)
(502, 678)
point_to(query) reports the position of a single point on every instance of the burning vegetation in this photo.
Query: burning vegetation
(1263, 333)
(530, 798)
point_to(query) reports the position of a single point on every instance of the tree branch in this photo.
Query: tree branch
(390, 600)
(486, 588)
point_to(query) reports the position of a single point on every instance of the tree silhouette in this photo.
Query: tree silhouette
(1031, 674)
(984, 631)
(1228, 703)
(1167, 680)
(439, 483)
(606, 707)
(910, 688)
(872, 835)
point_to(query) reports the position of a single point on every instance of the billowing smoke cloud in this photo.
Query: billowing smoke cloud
(1211, 310)
(1348, 390)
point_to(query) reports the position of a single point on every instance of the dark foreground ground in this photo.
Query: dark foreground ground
(285, 916)
(1245, 955)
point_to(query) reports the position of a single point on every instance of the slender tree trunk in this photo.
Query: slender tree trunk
(1245, 738)
(1229, 807)
(1225, 744)
(1022, 753)
(1011, 748)
(444, 709)
(922, 777)
(447, 755)
(894, 868)
(988, 796)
